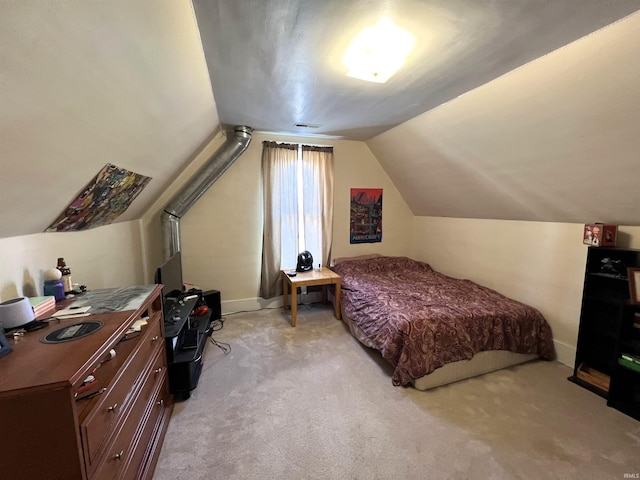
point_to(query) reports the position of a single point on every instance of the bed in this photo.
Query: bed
(434, 329)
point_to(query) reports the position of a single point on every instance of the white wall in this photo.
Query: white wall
(104, 257)
(152, 240)
(90, 83)
(357, 167)
(540, 264)
(222, 233)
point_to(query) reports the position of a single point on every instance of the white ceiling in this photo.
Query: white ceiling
(83, 84)
(506, 109)
(275, 63)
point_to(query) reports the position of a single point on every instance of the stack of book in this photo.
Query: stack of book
(42, 305)
(593, 377)
(72, 312)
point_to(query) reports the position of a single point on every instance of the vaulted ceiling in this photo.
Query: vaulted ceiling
(509, 109)
(554, 141)
(276, 63)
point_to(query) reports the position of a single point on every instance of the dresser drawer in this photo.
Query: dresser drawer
(125, 453)
(145, 444)
(117, 398)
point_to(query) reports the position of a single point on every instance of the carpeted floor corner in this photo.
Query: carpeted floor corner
(312, 403)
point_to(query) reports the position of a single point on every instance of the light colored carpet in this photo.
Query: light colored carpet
(311, 403)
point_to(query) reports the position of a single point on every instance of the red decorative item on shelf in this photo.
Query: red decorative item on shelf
(600, 235)
(201, 310)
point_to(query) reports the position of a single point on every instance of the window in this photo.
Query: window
(298, 208)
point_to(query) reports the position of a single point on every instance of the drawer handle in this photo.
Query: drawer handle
(160, 403)
(155, 338)
(118, 456)
(113, 407)
(158, 370)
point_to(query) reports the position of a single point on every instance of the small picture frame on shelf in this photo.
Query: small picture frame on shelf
(600, 235)
(634, 285)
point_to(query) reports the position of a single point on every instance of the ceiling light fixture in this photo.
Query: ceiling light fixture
(378, 52)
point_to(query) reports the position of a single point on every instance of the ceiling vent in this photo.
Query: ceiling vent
(307, 125)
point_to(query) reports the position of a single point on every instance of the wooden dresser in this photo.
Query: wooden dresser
(47, 431)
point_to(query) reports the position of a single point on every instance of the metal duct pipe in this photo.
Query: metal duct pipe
(198, 184)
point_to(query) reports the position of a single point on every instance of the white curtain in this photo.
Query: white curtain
(281, 241)
(317, 175)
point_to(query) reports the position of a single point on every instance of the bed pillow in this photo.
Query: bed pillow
(358, 257)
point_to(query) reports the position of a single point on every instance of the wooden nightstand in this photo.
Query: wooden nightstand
(322, 277)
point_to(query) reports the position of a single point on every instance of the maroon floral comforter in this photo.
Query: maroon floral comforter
(420, 319)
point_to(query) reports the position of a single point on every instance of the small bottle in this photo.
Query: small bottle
(66, 275)
(53, 284)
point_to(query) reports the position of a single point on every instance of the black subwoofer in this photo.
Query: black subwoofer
(212, 300)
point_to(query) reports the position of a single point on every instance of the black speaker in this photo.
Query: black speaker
(212, 300)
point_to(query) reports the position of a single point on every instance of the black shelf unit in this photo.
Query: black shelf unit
(185, 361)
(607, 330)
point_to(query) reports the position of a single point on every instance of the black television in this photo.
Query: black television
(169, 274)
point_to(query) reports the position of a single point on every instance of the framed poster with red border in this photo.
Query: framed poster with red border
(366, 215)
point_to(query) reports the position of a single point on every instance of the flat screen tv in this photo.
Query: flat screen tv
(169, 274)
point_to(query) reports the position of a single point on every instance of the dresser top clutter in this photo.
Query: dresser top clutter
(34, 363)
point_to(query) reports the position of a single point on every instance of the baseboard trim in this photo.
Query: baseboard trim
(566, 354)
(258, 303)
(250, 304)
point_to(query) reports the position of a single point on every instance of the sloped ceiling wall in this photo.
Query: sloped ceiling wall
(83, 84)
(556, 140)
(275, 63)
